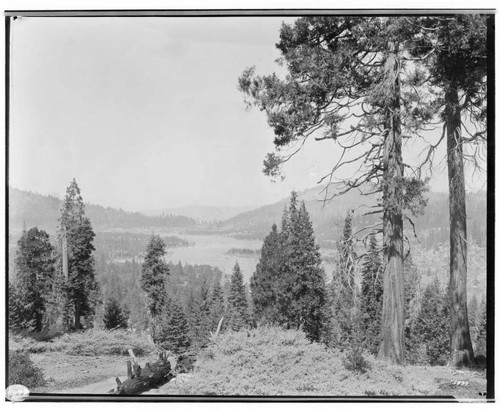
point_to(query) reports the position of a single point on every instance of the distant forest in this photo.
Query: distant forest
(126, 245)
(33, 209)
(121, 281)
(431, 228)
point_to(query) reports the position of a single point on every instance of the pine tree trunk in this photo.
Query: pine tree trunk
(38, 321)
(77, 316)
(460, 342)
(392, 328)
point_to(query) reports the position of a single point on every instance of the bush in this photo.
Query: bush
(44, 336)
(276, 362)
(354, 361)
(23, 371)
(89, 343)
(107, 342)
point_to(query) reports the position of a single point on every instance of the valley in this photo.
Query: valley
(122, 236)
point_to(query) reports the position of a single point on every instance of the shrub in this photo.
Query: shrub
(23, 371)
(89, 343)
(273, 361)
(45, 336)
(106, 342)
(354, 361)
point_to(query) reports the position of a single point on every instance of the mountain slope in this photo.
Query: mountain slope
(258, 222)
(431, 227)
(32, 209)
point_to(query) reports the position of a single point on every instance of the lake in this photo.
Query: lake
(212, 250)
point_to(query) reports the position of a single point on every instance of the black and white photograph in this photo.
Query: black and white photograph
(262, 205)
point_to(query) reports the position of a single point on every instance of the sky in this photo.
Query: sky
(145, 112)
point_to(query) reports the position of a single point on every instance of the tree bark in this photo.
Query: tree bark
(460, 341)
(392, 327)
(77, 315)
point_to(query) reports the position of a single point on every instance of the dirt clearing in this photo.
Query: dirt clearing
(82, 374)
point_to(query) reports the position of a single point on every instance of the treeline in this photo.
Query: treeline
(121, 282)
(109, 247)
(127, 245)
(243, 251)
(63, 288)
(32, 209)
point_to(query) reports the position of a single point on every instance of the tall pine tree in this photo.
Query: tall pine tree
(432, 325)
(173, 334)
(34, 268)
(198, 312)
(302, 281)
(216, 305)
(288, 287)
(237, 301)
(345, 79)
(114, 315)
(371, 294)
(264, 279)
(455, 50)
(77, 272)
(153, 280)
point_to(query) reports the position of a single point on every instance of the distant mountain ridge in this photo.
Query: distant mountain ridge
(27, 209)
(32, 209)
(327, 218)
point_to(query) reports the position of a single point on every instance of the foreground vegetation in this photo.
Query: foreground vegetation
(261, 361)
(46, 362)
(273, 361)
(89, 343)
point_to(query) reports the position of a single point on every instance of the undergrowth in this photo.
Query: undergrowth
(88, 343)
(273, 361)
(23, 371)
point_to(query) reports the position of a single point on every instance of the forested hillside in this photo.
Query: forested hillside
(33, 209)
(431, 228)
(202, 213)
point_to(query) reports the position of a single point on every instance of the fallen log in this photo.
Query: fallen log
(153, 375)
(157, 374)
(140, 380)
